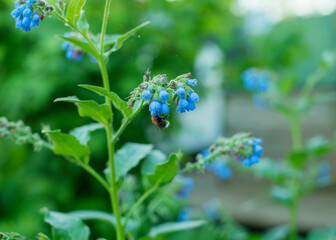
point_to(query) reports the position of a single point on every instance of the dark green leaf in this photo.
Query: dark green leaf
(67, 145)
(67, 227)
(80, 43)
(297, 158)
(171, 227)
(118, 103)
(83, 133)
(122, 38)
(166, 171)
(89, 108)
(129, 156)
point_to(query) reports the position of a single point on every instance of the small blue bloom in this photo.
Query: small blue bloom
(78, 56)
(65, 45)
(192, 82)
(221, 170)
(27, 13)
(26, 24)
(155, 108)
(211, 209)
(184, 215)
(191, 105)
(324, 175)
(35, 21)
(70, 54)
(18, 23)
(30, 2)
(256, 80)
(258, 150)
(180, 92)
(164, 108)
(17, 4)
(259, 102)
(15, 13)
(164, 95)
(188, 184)
(182, 105)
(21, 8)
(147, 95)
(92, 58)
(193, 96)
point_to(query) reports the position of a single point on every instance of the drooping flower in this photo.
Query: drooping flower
(164, 109)
(147, 95)
(164, 95)
(180, 92)
(193, 96)
(192, 82)
(155, 108)
(182, 105)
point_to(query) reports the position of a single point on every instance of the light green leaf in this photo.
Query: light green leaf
(67, 145)
(171, 227)
(277, 233)
(80, 43)
(117, 102)
(104, 216)
(120, 39)
(328, 233)
(281, 194)
(67, 227)
(165, 172)
(83, 133)
(74, 10)
(82, 23)
(89, 108)
(41, 236)
(155, 158)
(129, 156)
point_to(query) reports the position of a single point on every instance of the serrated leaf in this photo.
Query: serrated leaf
(122, 38)
(83, 133)
(171, 227)
(81, 44)
(82, 23)
(153, 159)
(166, 171)
(74, 10)
(104, 216)
(117, 102)
(89, 108)
(67, 227)
(67, 145)
(129, 156)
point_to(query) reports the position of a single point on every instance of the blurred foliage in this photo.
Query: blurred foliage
(34, 71)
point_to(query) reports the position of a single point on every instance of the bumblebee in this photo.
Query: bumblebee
(160, 122)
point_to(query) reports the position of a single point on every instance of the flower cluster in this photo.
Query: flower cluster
(243, 147)
(187, 186)
(256, 80)
(28, 13)
(253, 155)
(158, 91)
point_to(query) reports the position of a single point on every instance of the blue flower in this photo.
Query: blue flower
(15, 13)
(191, 105)
(254, 157)
(70, 54)
(180, 92)
(155, 108)
(18, 23)
(30, 2)
(188, 184)
(164, 109)
(182, 105)
(219, 168)
(193, 96)
(256, 80)
(211, 209)
(27, 13)
(259, 102)
(324, 173)
(66, 45)
(184, 215)
(147, 95)
(164, 95)
(192, 82)
(35, 21)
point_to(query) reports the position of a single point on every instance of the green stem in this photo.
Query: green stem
(96, 175)
(295, 127)
(104, 26)
(293, 221)
(140, 201)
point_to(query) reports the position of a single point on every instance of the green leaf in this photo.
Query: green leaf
(81, 44)
(165, 172)
(83, 133)
(104, 216)
(120, 39)
(277, 233)
(89, 108)
(117, 102)
(328, 233)
(297, 158)
(155, 158)
(74, 10)
(11, 236)
(171, 227)
(67, 145)
(41, 236)
(281, 194)
(82, 23)
(67, 227)
(129, 156)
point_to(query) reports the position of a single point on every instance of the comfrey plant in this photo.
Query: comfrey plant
(304, 169)
(156, 169)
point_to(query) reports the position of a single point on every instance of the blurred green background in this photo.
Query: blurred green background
(184, 36)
